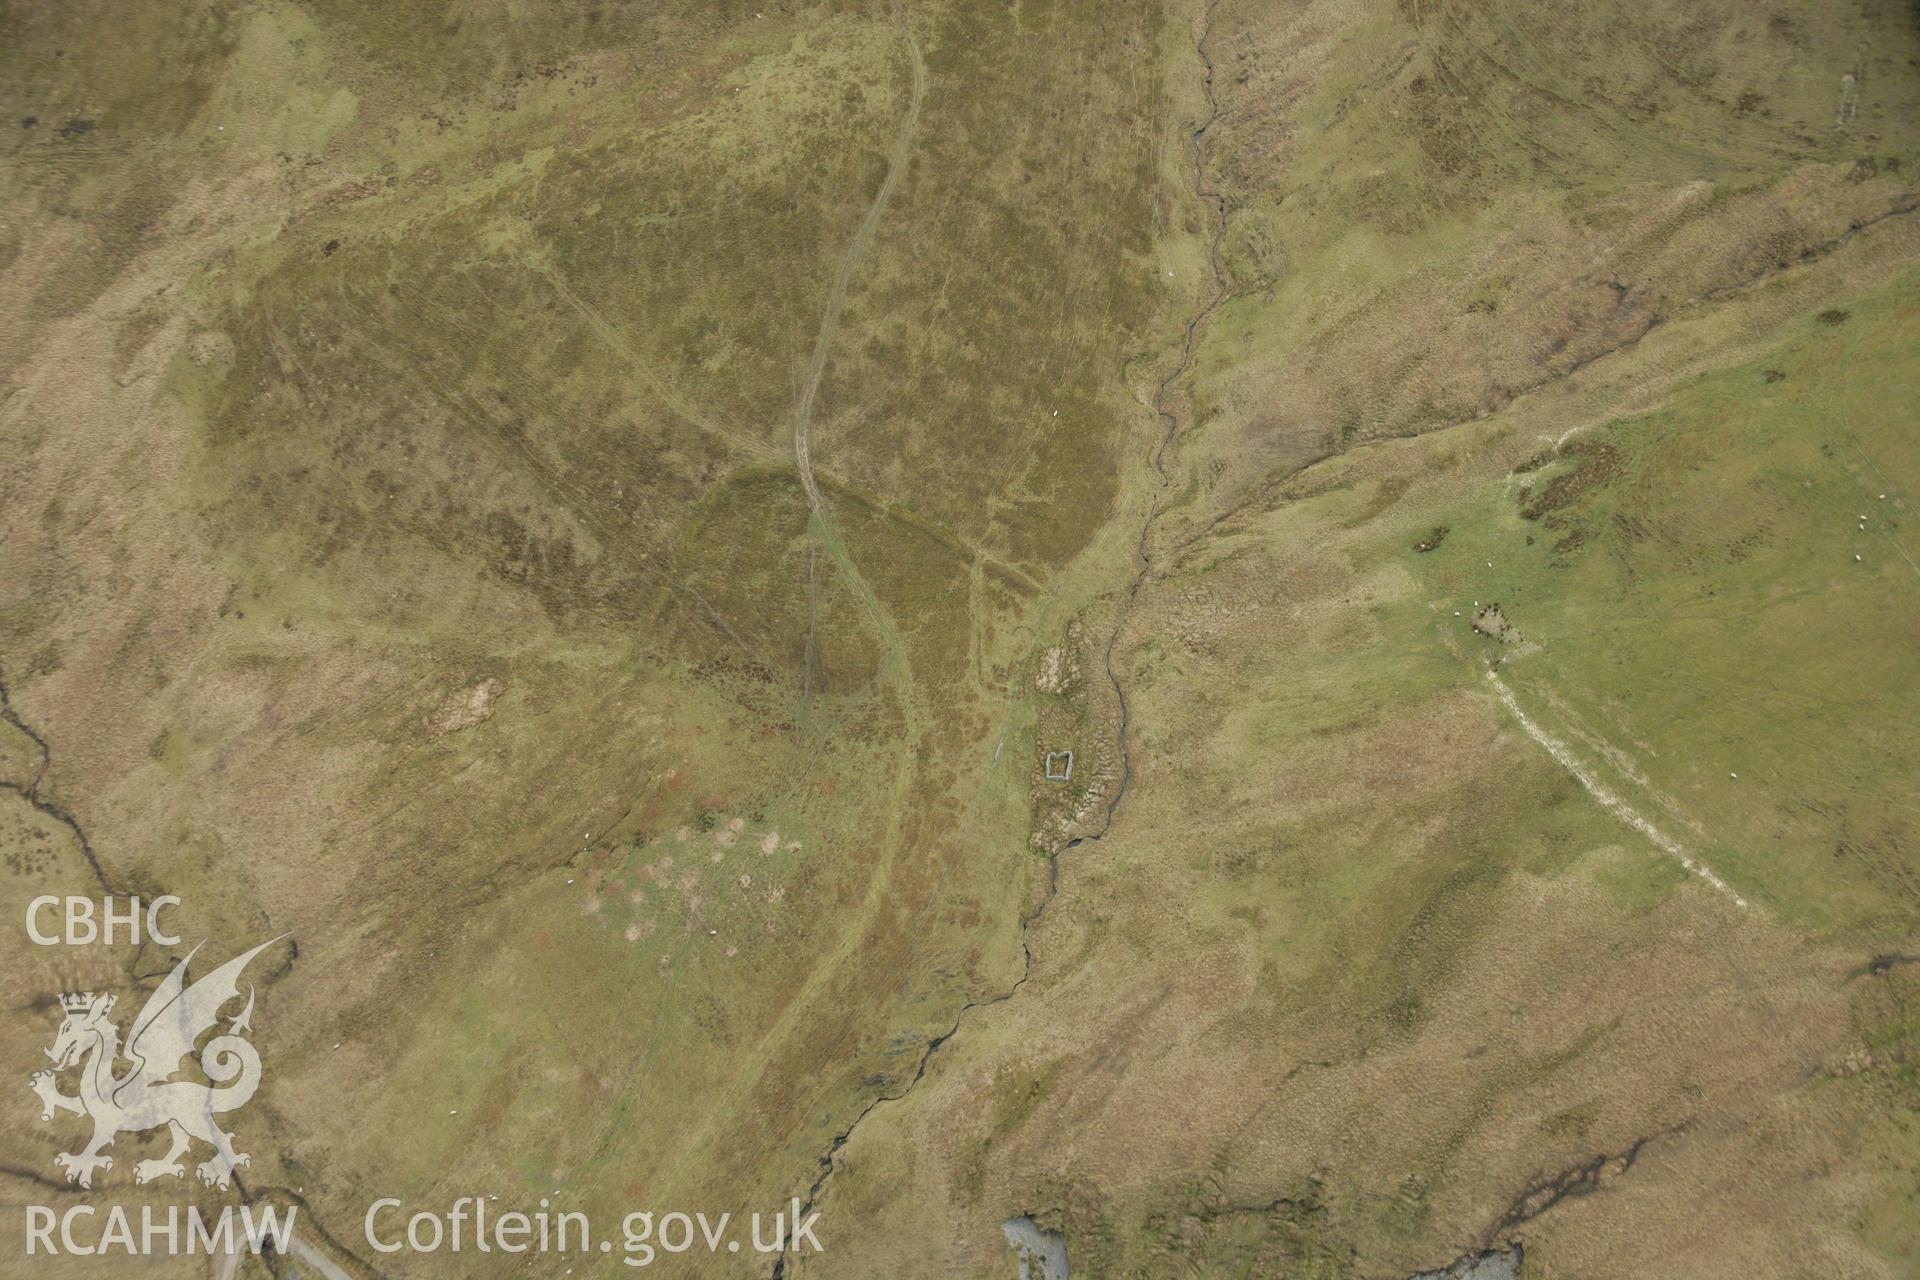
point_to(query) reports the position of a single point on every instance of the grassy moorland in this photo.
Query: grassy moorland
(592, 518)
(1519, 844)
(407, 546)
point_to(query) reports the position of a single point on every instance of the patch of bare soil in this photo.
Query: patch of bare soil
(465, 708)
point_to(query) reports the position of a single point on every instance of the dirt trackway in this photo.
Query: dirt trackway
(1216, 298)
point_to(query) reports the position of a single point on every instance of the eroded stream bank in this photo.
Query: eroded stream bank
(1038, 1254)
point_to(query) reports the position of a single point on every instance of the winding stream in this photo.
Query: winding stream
(1036, 1247)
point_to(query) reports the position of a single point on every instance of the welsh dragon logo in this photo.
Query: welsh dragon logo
(146, 1096)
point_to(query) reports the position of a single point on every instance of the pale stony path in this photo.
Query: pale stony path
(1609, 801)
